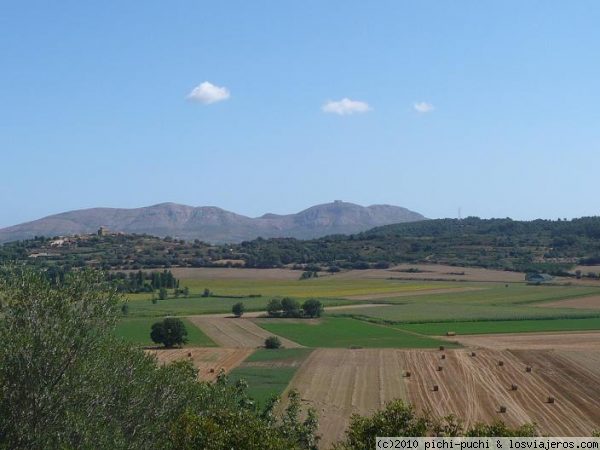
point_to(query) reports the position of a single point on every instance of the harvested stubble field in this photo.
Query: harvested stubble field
(236, 333)
(341, 382)
(534, 341)
(208, 361)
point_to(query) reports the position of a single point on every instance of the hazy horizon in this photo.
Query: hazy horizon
(263, 107)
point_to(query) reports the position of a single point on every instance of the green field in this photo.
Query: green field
(495, 301)
(266, 380)
(324, 287)
(137, 331)
(200, 305)
(503, 326)
(334, 332)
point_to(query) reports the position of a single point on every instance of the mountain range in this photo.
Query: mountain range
(212, 224)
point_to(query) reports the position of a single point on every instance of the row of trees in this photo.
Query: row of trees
(286, 307)
(135, 282)
(289, 307)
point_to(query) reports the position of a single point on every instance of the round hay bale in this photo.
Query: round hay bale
(550, 400)
(513, 387)
(189, 354)
(500, 363)
(451, 333)
(435, 388)
(442, 348)
(407, 374)
(473, 354)
(443, 357)
(528, 369)
(502, 409)
(440, 368)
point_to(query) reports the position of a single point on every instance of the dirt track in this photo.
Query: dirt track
(534, 341)
(339, 382)
(209, 361)
(235, 333)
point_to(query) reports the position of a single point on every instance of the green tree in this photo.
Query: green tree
(82, 388)
(162, 293)
(312, 308)
(206, 292)
(186, 291)
(272, 342)
(396, 419)
(290, 307)
(238, 309)
(274, 307)
(169, 332)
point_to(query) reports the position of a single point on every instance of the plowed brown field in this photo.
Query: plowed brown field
(339, 382)
(235, 333)
(209, 361)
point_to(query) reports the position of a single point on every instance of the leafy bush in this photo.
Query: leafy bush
(272, 342)
(238, 309)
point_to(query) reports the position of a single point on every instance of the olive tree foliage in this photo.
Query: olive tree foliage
(231, 421)
(400, 419)
(65, 382)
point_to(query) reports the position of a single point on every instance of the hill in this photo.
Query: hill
(212, 224)
(495, 243)
(539, 245)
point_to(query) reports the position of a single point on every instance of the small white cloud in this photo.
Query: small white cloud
(423, 107)
(208, 93)
(346, 106)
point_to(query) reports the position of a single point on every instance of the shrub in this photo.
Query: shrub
(272, 342)
(170, 332)
(162, 293)
(238, 309)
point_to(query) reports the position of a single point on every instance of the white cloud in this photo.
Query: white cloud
(208, 93)
(423, 107)
(346, 106)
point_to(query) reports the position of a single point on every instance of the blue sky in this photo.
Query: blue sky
(96, 107)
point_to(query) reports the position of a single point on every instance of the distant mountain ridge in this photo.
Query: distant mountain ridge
(213, 224)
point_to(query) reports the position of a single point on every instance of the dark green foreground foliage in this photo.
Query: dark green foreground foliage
(400, 419)
(66, 383)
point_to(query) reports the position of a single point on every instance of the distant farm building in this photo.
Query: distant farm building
(538, 278)
(102, 231)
